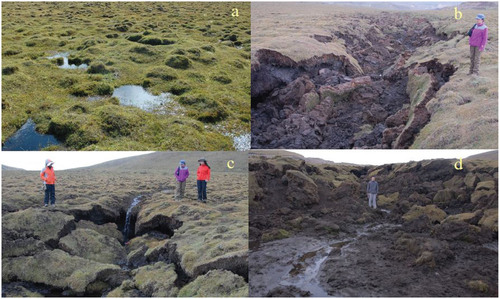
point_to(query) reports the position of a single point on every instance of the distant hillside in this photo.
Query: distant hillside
(478, 5)
(400, 5)
(9, 168)
(492, 155)
(168, 161)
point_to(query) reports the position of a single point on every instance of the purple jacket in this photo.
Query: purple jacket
(181, 173)
(479, 37)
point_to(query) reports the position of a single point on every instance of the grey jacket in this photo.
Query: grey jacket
(372, 187)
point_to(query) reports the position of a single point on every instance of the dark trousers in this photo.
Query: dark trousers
(50, 193)
(475, 60)
(202, 190)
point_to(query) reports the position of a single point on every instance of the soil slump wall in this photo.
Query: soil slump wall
(334, 101)
(431, 218)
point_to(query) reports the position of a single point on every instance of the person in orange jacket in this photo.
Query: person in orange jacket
(49, 179)
(203, 176)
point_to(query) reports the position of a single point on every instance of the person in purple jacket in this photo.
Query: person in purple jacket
(181, 174)
(477, 41)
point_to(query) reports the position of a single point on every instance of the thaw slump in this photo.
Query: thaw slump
(340, 102)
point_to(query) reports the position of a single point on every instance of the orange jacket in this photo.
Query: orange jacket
(203, 173)
(48, 176)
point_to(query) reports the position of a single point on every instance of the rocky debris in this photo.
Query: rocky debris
(94, 246)
(77, 275)
(490, 219)
(216, 283)
(271, 70)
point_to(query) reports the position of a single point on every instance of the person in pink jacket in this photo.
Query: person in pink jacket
(181, 174)
(477, 41)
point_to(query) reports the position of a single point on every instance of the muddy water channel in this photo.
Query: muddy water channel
(295, 266)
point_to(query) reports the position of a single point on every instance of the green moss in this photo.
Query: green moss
(203, 108)
(222, 79)
(162, 73)
(434, 213)
(73, 273)
(120, 44)
(178, 62)
(97, 68)
(478, 285)
(156, 280)
(118, 122)
(216, 283)
(275, 235)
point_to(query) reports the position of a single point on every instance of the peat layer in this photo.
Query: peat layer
(434, 232)
(333, 102)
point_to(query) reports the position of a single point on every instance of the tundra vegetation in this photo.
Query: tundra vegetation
(63, 62)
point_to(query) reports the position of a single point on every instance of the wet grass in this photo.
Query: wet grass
(192, 50)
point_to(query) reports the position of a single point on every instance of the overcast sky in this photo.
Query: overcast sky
(379, 157)
(62, 160)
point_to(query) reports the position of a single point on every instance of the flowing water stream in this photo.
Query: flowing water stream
(127, 228)
(297, 261)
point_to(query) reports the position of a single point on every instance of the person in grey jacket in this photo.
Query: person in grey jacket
(372, 190)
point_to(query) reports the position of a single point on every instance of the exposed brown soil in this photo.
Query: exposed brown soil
(327, 102)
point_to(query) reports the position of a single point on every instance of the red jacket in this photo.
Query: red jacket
(203, 173)
(48, 176)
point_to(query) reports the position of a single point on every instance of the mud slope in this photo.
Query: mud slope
(121, 234)
(436, 227)
(364, 95)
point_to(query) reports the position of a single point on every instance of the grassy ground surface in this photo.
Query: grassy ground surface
(195, 51)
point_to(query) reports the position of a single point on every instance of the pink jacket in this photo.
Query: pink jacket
(479, 37)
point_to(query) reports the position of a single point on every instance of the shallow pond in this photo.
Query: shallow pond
(66, 64)
(137, 96)
(28, 139)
